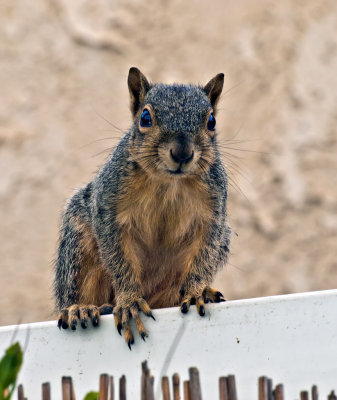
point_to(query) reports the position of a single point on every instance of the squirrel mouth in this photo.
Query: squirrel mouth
(178, 171)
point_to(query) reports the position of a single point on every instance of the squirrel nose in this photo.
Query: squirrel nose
(181, 153)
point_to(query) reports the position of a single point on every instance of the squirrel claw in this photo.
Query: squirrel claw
(105, 309)
(95, 321)
(128, 336)
(62, 320)
(84, 323)
(184, 308)
(64, 325)
(123, 314)
(73, 324)
(152, 316)
(213, 295)
(80, 314)
(208, 295)
(218, 297)
(202, 311)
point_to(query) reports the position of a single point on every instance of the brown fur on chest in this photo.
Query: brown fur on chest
(163, 226)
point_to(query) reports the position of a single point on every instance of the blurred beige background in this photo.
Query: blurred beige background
(63, 70)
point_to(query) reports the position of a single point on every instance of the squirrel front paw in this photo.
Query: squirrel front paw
(76, 313)
(129, 308)
(208, 295)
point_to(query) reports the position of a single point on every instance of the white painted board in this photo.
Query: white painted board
(291, 339)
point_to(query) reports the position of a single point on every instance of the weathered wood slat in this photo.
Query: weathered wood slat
(191, 388)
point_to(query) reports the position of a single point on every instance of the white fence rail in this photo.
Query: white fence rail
(292, 339)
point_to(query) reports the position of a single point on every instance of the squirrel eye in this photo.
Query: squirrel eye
(211, 123)
(145, 119)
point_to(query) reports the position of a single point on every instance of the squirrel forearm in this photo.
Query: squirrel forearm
(124, 276)
(209, 260)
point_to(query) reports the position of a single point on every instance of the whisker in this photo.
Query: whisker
(109, 122)
(110, 130)
(98, 140)
(234, 185)
(228, 158)
(144, 157)
(227, 154)
(232, 88)
(235, 266)
(209, 147)
(232, 141)
(237, 131)
(231, 168)
(245, 150)
(237, 190)
(110, 150)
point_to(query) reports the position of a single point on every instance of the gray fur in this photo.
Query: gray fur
(180, 111)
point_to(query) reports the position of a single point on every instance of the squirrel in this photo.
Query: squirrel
(150, 230)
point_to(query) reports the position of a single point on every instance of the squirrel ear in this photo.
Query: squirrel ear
(138, 87)
(213, 89)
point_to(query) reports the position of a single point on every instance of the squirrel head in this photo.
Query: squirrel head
(173, 133)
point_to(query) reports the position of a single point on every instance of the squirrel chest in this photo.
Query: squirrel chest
(163, 224)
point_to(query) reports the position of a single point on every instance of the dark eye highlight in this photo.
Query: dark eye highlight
(211, 123)
(145, 119)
